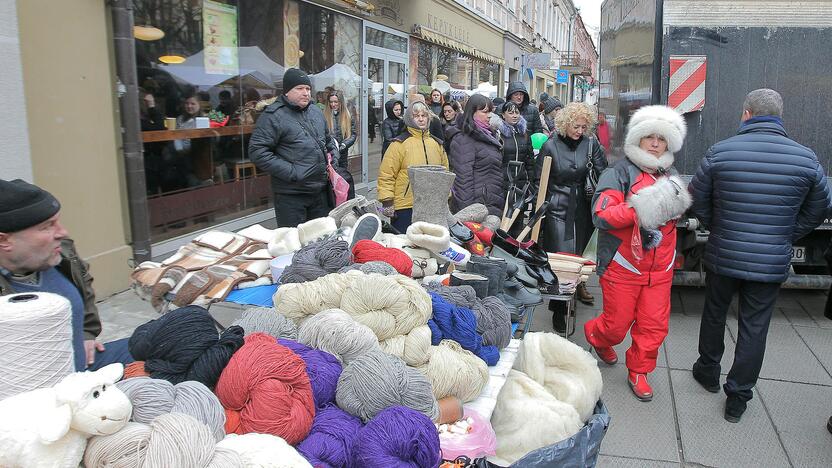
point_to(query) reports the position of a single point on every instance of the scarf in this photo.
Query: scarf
(569, 142)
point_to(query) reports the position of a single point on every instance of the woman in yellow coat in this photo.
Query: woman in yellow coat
(413, 147)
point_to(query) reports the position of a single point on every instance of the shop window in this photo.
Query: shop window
(384, 39)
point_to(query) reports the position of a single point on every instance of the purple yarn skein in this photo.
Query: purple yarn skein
(398, 436)
(323, 370)
(330, 443)
(459, 324)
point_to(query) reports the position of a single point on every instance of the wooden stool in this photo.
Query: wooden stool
(241, 166)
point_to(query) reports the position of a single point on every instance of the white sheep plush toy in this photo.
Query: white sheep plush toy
(49, 427)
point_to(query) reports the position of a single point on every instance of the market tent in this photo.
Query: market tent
(339, 76)
(253, 64)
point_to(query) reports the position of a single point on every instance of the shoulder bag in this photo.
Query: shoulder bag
(591, 180)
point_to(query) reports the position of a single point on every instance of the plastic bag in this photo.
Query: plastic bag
(591, 250)
(480, 442)
(340, 187)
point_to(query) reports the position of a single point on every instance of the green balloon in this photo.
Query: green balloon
(538, 140)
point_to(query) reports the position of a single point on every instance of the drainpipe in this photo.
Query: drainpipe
(125, 55)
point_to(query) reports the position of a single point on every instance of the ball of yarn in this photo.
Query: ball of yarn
(463, 295)
(265, 389)
(322, 368)
(566, 370)
(377, 381)
(493, 317)
(266, 320)
(389, 305)
(382, 268)
(135, 369)
(300, 300)
(453, 371)
(154, 397)
(398, 436)
(184, 345)
(331, 439)
(36, 342)
(367, 250)
(169, 440)
(263, 450)
(337, 333)
(317, 259)
(413, 348)
(459, 324)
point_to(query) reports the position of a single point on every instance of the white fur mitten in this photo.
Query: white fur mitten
(666, 199)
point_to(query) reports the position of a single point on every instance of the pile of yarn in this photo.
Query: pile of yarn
(297, 301)
(184, 345)
(337, 333)
(368, 251)
(265, 388)
(398, 436)
(154, 397)
(388, 305)
(382, 268)
(332, 438)
(414, 348)
(263, 319)
(493, 317)
(453, 371)
(459, 324)
(317, 259)
(322, 368)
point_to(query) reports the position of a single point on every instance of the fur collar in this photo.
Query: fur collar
(508, 130)
(646, 161)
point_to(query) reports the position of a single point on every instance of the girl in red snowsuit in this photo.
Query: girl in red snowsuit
(635, 208)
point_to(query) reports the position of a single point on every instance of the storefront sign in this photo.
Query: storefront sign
(449, 29)
(563, 77)
(219, 38)
(538, 60)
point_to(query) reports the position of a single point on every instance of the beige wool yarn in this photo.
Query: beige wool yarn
(389, 305)
(413, 348)
(453, 371)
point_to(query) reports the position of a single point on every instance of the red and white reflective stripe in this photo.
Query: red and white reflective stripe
(686, 92)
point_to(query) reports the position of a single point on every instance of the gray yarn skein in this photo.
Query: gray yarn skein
(377, 381)
(493, 317)
(267, 320)
(337, 333)
(376, 266)
(152, 398)
(317, 259)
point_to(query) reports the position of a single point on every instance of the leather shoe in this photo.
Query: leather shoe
(583, 295)
(707, 382)
(640, 387)
(531, 256)
(734, 408)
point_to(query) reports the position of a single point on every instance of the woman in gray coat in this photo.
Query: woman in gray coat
(476, 157)
(568, 223)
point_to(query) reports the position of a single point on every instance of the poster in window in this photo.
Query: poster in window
(219, 38)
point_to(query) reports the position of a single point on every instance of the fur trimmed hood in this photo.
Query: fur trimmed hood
(649, 120)
(506, 129)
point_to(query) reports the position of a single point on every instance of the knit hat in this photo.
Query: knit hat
(544, 97)
(551, 104)
(23, 205)
(294, 77)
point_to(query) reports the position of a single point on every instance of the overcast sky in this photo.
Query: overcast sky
(591, 14)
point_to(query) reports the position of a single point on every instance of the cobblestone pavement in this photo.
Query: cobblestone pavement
(785, 424)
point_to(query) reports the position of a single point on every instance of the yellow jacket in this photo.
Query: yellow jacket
(414, 148)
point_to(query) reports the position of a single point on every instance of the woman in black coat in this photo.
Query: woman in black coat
(568, 223)
(393, 125)
(517, 147)
(476, 157)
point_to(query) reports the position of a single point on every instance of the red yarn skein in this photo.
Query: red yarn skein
(367, 250)
(265, 389)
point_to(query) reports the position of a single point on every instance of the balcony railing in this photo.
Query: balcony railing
(574, 61)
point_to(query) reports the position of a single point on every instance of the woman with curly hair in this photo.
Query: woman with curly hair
(568, 223)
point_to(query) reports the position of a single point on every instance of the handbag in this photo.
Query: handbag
(591, 180)
(338, 187)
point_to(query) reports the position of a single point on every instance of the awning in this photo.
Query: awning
(438, 38)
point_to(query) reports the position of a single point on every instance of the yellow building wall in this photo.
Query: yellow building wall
(69, 84)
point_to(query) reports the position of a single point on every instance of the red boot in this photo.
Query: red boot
(608, 355)
(640, 387)
(481, 232)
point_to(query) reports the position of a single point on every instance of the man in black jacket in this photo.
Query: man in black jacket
(517, 92)
(757, 192)
(291, 142)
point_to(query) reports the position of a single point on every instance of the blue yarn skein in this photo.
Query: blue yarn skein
(459, 324)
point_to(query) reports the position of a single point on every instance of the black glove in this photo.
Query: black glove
(650, 238)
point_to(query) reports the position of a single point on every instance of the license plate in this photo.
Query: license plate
(798, 254)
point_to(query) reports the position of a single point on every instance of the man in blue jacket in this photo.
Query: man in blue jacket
(757, 192)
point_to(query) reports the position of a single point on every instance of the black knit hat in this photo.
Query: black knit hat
(551, 104)
(294, 77)
(23, 205)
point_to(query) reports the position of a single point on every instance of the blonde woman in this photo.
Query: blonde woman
(568, 223)
(341, 127)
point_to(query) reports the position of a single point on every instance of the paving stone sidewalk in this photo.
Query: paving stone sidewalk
(785, 424)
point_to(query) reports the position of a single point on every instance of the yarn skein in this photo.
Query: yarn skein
(298, 301)
(266, 320)
(322, 368)
(135, 369)
(184, 345)
(331, 439)
(317, 259)
(36, 339)
(337, 333)
(453, 371)
(382, 268)
(459, 324)
(493, 317)
(398, 436)
(413, 348)
(265, 389)
(367, 250)
(263, 451)
(389, 305)
(153, 397)
(377, 381)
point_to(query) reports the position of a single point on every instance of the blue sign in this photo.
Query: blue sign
(563, 77)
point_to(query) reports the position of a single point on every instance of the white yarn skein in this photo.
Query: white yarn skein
(413, 348)
(35, 342)
(453, 371)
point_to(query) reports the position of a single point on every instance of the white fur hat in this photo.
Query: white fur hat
(661, 120)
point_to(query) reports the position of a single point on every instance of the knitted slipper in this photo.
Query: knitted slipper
(367, 227)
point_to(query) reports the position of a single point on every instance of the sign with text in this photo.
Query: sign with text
(539, 61)
(563, 77)
(219, 38)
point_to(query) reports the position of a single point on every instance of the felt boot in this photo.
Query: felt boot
(478, 282)
(492, 268)
(431, 186)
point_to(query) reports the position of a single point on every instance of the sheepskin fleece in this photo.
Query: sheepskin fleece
(314, 229)
(429, 236)
(263, 451)
(527, 417)
(668, 198)
(646, 161)
(567, 372)
(284, 241)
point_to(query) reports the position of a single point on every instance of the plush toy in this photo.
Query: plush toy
(49, 427)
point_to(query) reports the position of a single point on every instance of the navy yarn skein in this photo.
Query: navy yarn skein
(184, 345)
(459, 324)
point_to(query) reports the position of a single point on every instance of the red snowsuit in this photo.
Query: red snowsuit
(635, 281)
